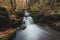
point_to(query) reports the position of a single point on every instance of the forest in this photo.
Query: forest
(45, 13)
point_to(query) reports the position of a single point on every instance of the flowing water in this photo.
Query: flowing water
(33, 31)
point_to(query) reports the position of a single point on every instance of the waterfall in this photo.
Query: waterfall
(32, 29)
(27, 19)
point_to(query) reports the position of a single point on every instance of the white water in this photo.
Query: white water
(32, 31)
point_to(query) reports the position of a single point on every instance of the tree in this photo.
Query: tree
(13, 4)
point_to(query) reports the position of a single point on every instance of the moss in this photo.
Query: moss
(4, 38)
(35, 13)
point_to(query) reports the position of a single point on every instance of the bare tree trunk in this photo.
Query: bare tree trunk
(26, 4)
(52, 2)
(13, 7)
(13, 4)
(29, 4)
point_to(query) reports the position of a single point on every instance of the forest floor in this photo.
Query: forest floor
(7, 32)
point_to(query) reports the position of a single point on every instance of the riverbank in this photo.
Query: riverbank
(7, 34)
(9, 24)
(50, 20)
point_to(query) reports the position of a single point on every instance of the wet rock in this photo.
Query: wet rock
(58, 24)
(22, 27)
